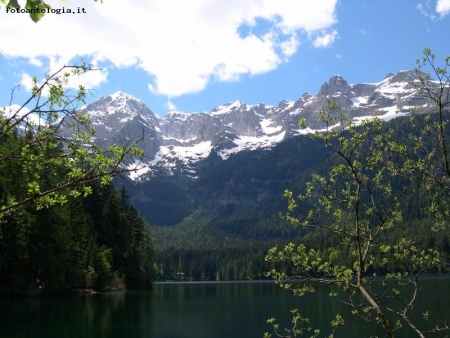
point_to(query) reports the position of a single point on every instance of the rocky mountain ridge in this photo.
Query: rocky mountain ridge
(178, 141)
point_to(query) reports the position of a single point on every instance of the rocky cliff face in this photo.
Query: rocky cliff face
(181, 139)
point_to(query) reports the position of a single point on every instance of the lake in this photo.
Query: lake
(200, 310)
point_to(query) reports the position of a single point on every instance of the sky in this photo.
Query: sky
(192, 56)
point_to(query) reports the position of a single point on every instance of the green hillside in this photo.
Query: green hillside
(220, 225)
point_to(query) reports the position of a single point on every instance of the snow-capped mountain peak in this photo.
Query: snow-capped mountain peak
(180, 140)
(120, 95)
(229, 107)
(114, 110)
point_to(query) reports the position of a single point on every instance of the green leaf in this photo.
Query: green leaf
(39, 8)
(11, 4)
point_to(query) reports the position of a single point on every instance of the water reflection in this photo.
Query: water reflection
(191, 310)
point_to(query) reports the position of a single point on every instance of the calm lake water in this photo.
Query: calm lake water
(200, 310)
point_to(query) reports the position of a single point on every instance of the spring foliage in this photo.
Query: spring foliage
(62, 226)
(31, 139)
(361, 202)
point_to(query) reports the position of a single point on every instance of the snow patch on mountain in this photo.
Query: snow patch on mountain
(391, 90)
(391, 113)
(138, 169)
(268, 128)
(252, 143)
(178, 115)
(357, 101)
(119, 95)
(180, 138)
(186, 154)
(224, 109)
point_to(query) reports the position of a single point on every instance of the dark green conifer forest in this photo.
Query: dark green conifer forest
(98, 242)
(230, 243)
(63, 226)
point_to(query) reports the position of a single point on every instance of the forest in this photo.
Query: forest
(217, 242)
(228, 243)
(99, 242)
(63, 226)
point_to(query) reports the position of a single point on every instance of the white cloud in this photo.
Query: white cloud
(364, 31)
(424, 10)
(443, 7)
(91, 79)
(36, 62)
(88, 80)
(26, 81)
(289, 47)
(151, 88)
(420, 7)
(17, 112)
(182, 45)
(325, 40)
(170, 105)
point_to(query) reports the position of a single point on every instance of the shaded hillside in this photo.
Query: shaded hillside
(247, 186)
(235, 206)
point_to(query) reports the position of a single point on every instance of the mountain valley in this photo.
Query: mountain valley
(211, 184)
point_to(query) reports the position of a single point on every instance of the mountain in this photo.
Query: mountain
(227, 218)
(213, 187)
(120, 117)
(178, 141)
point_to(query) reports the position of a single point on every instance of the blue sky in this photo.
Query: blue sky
(194, 55)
